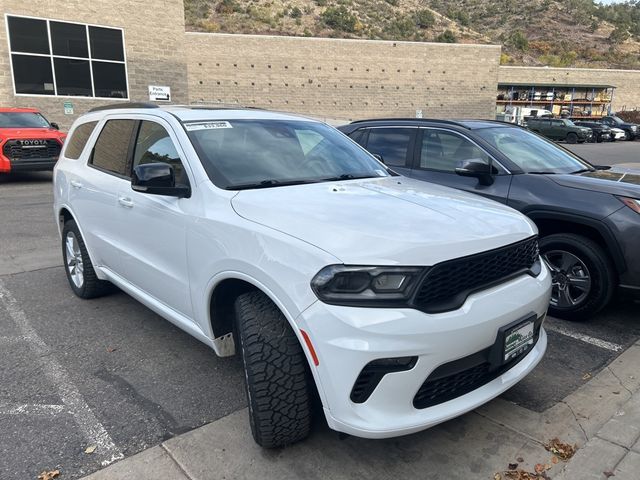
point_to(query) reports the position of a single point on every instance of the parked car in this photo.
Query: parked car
(617, 134)
(588, 216)
(400, 303)
(601, 132)
(559, 129)
(28, 142)
(630, 129)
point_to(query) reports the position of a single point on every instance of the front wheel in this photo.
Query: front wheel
(627, 135)
(572, 138)
(583, 277)
(276, 372)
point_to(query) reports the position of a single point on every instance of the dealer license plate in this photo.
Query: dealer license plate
(517, 340)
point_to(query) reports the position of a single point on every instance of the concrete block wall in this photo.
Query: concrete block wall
(343, 79)
(154, 41)
(627, 82)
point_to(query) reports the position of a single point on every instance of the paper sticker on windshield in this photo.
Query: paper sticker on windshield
(381, 173)
(206, 126)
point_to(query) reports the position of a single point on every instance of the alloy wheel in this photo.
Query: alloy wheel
(571, 280)
(75, 266)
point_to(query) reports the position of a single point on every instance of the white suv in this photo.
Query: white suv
(399, 303)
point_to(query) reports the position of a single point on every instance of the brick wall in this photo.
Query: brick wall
(343, 79)
(627, 82)
(154, 40)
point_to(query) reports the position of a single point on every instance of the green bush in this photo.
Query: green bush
(295, 12)
(339, 18)
(446, 37)
(425, 18)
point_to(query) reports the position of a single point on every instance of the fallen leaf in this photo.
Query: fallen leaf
(111, 349)
(497, 476)
(564, 451)
(554, 459)
(90, 449)
(609, 474)
(48, 475)
(586, 376)
(539, 468)
(513, 466)
(617, 392)
(520, 459)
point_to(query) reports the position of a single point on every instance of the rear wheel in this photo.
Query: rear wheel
(276, 372)
(82, 277)
(572, 137)
(627, 135)
(582, 275)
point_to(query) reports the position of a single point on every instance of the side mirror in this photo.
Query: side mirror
(379, 157)
(55, 125)
(157, 179)
(477, 168)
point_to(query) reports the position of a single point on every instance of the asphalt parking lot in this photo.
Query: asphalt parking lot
(109, 372)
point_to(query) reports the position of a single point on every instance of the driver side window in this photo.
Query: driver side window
(154, 145)
(445, 151)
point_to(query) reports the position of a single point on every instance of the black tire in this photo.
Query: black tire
(572, 138)
(598, 268)
(276, 373)
(627, 135)
(91, 286)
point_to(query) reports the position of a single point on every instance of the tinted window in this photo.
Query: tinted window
(73, 77)
(32, 75)
(28, 35)
(155, 145)
(75, 144)
(391, 143)
(263, 153)
(63, 66)
(69, 39)
(445, 151)
(111, 152)
(358, 136)
(110, 80)
(106, 43)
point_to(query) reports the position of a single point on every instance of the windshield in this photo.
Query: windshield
(617, 120)
(532, 153)
(240, 154)
(22, 120)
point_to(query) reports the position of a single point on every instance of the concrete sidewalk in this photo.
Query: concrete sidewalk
(602, 418)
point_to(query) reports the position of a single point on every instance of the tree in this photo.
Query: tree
(446, 37)
(425, 18)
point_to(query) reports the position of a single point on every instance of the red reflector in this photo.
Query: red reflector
(312, 350)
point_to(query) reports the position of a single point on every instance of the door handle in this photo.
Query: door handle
(75, 184)
(125, 202)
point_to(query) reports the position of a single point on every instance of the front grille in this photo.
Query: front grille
(462, 376)
(447, 285)
(15, 150)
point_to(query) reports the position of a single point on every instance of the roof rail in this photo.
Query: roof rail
(115, 106)
(406, 119)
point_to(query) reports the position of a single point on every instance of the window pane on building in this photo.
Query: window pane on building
(73, 77)
(28, 35)
(32, 75)
(110, 80)
(111, 151)
(106, 43)
(69, 39)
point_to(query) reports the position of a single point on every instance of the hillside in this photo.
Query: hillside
(536, 32)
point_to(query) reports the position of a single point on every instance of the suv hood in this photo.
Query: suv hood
(385, 221)
(621, 179)
(6, 133)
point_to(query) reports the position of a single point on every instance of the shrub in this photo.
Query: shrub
(425, 18)
(339, 18)
(295, 12)
(446, 37)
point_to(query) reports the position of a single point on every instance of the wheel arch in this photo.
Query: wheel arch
(549, 223)
(64, 215)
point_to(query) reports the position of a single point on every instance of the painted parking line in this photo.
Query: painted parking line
(28, 409)
(562, 330)
(72, 399)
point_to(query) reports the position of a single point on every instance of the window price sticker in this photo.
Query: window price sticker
(206, 126)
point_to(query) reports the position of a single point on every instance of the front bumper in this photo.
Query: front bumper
(348, 338)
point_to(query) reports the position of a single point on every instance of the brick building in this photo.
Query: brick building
(66, 57)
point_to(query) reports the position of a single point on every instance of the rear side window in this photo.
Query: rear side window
(78, 140)
(390, 143)
(111, 152)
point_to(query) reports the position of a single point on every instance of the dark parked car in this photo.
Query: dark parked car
(559, 129)
(631, 130)
(601, 132)
(588, 216)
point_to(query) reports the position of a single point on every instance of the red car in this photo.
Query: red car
(28, 142)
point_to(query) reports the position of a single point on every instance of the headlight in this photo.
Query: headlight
(365, 286)
(632, 203)
(634, 127)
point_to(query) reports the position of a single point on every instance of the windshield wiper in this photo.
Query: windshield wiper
(584, 170)
(542, 173)
(268, 184)
(347, 176)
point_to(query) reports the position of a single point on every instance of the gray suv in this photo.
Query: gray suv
(588, 215)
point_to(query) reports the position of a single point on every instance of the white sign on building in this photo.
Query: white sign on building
(159, 94)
